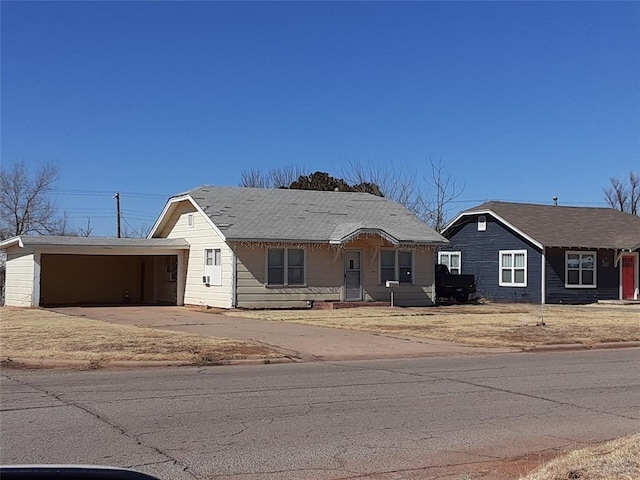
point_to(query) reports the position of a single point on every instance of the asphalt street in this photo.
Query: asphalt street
(435, 417)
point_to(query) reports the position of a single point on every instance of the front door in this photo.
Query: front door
(628, 276)
(352, 276)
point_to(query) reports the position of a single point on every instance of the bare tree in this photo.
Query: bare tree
(394, 183)
(87, 231)
(279, 177)
(443, 189)
(254, 178)
(430, 204)
(129, 231)
(25, 207)
(283, 177)
(624, 195)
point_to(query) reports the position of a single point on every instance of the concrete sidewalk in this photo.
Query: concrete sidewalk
(302, 342)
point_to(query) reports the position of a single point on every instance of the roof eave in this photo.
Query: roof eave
(171, 205)
(497, 217)
(366, 231)
(10, 242)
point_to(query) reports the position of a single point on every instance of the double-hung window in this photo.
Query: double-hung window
(285, 266)
(513, 268)
(387, 266)
(451, 260)
(396, 265)
(580, 269)
(405, 266)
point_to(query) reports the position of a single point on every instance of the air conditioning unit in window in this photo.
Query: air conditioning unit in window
(206, 279)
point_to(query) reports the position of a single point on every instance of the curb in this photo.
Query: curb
(52, 363)
(579, 346)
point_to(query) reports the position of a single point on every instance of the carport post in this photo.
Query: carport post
(35, 291)
(180, 281)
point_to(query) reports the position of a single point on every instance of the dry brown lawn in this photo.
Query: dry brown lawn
(483, 324)
(615, 460)
(42, 334)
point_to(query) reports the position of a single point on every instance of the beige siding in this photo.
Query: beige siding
(420, 293)
(19, 279)
(325, 277)
(201, 236)
(323, 274)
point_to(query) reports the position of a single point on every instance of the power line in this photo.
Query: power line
(105, 193)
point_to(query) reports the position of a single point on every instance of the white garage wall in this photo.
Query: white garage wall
(19, 280)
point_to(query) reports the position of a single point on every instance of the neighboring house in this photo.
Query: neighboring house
(239, 247)
(546, 254)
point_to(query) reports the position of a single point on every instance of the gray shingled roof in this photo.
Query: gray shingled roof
(260, 214)
(559, 226)
(36, 240)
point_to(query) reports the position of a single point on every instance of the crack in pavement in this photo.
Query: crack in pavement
(104, 420)
(489, 387)
(261, 390)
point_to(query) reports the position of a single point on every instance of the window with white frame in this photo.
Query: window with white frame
(580, 269)
(513, 268)
(396, 265)
(190, 220)
(451, 260)
(285, 266)
(482, 223)
(213, 265)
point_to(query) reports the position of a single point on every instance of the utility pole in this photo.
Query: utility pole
(117, 197)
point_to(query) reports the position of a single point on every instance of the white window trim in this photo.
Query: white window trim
(396, 265)
(446, 252)
(482, 223)
(566, 269)
(286, 268)
(513, 268)
(190, 221)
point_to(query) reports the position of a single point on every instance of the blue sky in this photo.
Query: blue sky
(520, 101)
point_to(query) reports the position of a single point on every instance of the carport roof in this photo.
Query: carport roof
(57, 241)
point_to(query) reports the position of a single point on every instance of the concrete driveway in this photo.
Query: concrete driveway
(301, 342)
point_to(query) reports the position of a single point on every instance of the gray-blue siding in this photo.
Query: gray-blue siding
(607, 275)
(480, 256)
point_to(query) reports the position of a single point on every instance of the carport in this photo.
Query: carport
(48, 271)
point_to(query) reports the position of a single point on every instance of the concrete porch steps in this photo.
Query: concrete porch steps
(336, 305)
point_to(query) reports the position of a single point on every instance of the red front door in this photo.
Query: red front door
(628, 277)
